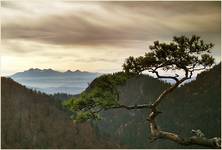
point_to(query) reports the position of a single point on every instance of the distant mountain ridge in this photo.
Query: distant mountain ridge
(36, 72)
(50, 81)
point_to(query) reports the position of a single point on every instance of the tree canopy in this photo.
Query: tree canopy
(183, 53)
(188, 54)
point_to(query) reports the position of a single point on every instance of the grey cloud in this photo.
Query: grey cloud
(147, 21)
(8, 4)
(72, 30)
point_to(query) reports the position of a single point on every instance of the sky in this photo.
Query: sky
(97, 36)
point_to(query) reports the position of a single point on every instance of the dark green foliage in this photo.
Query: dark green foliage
(102, 94)
(182, 53)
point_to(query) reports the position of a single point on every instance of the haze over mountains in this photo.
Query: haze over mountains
(36, 72)
(50, 81)
(35, 120)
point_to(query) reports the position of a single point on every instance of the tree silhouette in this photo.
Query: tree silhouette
(183, 53)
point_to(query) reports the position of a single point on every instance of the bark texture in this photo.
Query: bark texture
(157, 133)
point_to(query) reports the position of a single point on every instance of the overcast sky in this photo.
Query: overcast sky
(97, 36)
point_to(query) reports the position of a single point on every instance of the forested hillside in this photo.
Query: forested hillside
(196, 105)
(35, 120)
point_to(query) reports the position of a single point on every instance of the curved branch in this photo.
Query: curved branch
(167, 77)
(168, 91)
(193, 140)
(156, 133)
(142, 106)
(198, 69)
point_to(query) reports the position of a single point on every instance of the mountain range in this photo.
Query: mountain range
(36, 72)
(31, 119)
(50, 81)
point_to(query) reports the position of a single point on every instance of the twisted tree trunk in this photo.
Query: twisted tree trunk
(156, 133)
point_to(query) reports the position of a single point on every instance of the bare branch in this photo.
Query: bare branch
(167, 91)
(194, 140)
(197, 69)
(191, 70)
(142, 106)
(156, 133)
(167, 77)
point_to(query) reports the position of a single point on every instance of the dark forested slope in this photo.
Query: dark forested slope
(196, 105)
(34, 120)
